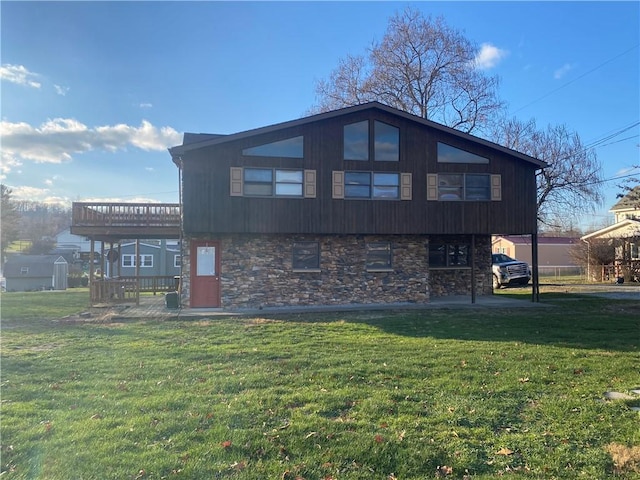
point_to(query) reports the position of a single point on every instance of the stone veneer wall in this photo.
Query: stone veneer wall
(256, 272)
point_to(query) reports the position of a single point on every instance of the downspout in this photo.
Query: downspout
(588, 259)
(473, 268)
(180, 239)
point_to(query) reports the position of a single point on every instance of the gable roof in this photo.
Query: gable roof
(191, 142)
(627, 228)
(38, 265)
(631, 201)
(526, 240)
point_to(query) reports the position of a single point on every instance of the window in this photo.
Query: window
(263, 182)
(635, 251)
(449, 154)
(461, 186)
(372, 185)
(130, 261)
(448, 255)
(357, 184)
(177, 261)
(477, 187)
(386, 144)
(258, 182)
(378, 257)
(306, 256)
(289, 148)
(356, 141)
(270, 182)
(24, 271)
(289, 183)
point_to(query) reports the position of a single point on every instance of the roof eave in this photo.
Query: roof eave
(179, 150)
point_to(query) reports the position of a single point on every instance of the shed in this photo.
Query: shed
(25, 273)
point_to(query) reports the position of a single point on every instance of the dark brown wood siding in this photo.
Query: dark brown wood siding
(209, 207)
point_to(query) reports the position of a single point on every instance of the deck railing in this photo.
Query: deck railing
(90, 214)
(128, 289)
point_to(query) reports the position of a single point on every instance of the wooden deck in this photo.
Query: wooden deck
(114, 221)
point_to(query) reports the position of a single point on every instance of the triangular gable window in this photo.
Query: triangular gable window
(449, 154)
(289, 148)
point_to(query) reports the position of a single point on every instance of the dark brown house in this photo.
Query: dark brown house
(363, 205)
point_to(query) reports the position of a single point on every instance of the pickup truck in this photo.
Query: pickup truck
(509, 271)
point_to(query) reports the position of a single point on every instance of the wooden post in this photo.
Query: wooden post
(137, 257)
(91, 270)
(535, 294)
(473, 268)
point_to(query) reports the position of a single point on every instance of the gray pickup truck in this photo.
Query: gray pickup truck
(509, 271)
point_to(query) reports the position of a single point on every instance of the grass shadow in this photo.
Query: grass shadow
(575, 321)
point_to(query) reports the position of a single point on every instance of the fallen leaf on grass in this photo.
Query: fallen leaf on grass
(239, 466)
(378, 438)
(443, 471)
(504, 451)
(226, 444)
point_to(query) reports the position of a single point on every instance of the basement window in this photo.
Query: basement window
(306, 256)
(379, 257)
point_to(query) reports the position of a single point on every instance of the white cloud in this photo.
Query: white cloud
(146, 105)
(19, 74)
(150, 169)
(563, 70)
(60, 90)
(9, 162)
(57, 140)
(29, 193)
(36, 194)
(489, 56)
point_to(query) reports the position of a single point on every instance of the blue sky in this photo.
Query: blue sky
(94, 93)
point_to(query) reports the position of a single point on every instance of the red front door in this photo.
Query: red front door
(205, 274)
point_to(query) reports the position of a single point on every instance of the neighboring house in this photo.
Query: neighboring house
(77, 246)
(156, 259)
(363, 205)
(628, 207)
(25, 273)
(624, 236)
(554, 253)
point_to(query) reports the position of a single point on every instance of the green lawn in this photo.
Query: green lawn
(468, 393)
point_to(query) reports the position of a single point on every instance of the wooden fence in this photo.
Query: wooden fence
(128, 289)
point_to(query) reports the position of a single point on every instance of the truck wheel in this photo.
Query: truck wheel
(496, 283)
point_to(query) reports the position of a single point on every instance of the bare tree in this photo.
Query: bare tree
(594, 257)
(572, 184)
(421, 66)
(630, 189)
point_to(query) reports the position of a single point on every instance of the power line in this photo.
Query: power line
(611, 136)
(588, 72)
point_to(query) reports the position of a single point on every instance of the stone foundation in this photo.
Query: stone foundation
(256, 271)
